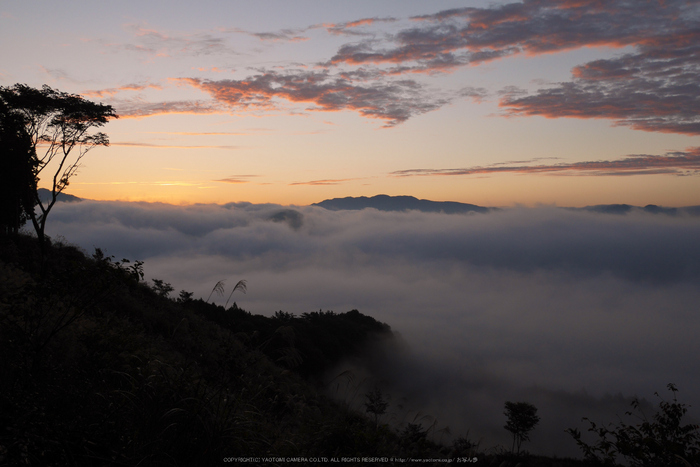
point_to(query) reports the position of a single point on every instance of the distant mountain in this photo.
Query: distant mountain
(399, 203)
(650, 208)
(45, 195)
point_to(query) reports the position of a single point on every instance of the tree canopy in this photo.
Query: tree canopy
(54, 128)
(522, 418)
(17, 172)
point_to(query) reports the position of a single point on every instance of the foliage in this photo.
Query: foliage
(661, 441)
(321, 339)
(184, 296)
(99, 368)
(161, 287)
(464, 447)
(284, 316)
(376, 404)
(18, 172)
(57, 127)
(522, 418)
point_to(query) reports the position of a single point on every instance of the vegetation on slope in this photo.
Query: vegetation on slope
(100, 369)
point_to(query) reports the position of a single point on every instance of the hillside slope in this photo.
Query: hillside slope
(98, 368)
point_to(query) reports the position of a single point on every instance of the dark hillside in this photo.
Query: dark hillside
(45, 196)
(100, 369)
(309, 344)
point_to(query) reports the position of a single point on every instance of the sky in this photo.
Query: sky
(570, 103)
(236, 116)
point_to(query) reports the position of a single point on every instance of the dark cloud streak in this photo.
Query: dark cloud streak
(674, 163)
(284, 35)
(236, 179)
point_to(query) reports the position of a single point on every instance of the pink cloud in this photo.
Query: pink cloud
(325, 182)
(348, 28)
(235, 179)
(100, 93)
(169, 146)
(532, 27)
(392, 102)
(653, 89)
(141, 109)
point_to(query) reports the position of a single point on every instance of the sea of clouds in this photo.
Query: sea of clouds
(573, 311)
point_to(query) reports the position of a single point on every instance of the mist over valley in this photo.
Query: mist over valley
(575, 311)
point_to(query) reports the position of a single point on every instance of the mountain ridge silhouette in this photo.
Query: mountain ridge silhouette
(399, 203)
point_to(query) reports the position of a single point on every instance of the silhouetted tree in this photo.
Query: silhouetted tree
(376, 404)
(161, 287)
(522, 418)
(18, 175)
(185, 296)
(413, 433)
(58, 125)
(663, 440)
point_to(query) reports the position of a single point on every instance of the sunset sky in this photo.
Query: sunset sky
(232, 111)
(570, 103)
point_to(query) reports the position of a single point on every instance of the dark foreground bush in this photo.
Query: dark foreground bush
(661, 441)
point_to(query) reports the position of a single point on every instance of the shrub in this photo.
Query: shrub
(522, 418)
(663, 441)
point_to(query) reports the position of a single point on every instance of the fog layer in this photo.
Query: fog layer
(553, 306)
